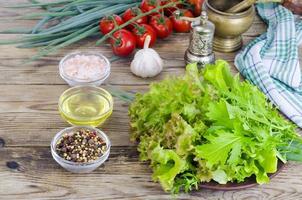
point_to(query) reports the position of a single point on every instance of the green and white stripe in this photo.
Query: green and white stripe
(271, 61)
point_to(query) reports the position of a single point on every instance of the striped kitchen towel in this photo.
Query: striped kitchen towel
(271, 61)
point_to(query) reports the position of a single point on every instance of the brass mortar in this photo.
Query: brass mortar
(229, 27)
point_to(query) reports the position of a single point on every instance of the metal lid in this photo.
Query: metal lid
(203, 17)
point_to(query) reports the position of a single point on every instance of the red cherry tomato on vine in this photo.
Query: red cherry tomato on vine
(123, 42)
(169, 11)
(131, 13)
(179, 25)
(107, 23)
(148, 5)
(162, 25)
(141, 32)
(197, 6)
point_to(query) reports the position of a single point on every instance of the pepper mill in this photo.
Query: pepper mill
(201, 42)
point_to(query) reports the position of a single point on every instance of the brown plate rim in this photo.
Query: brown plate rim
(250, 182)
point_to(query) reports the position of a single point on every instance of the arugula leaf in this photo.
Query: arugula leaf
(216, 152)
(186, 181)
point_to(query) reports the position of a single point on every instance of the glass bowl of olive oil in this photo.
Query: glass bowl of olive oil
(86, 105)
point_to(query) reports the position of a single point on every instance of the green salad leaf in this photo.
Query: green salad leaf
(210, 126)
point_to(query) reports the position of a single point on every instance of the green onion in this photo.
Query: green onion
(73, 21)
(64, 22)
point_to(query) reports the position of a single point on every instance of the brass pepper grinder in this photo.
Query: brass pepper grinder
(201, 42)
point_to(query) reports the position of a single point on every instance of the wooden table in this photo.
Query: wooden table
(29, 119)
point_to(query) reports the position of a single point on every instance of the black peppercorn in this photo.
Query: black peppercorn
(83, 145)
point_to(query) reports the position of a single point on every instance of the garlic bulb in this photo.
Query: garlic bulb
(146, 62)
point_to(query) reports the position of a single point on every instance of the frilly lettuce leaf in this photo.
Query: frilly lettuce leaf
(179, 135)
(208, 125)
(166, 166)
(219, 75)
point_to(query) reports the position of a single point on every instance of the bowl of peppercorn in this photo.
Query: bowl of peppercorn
(80, 149)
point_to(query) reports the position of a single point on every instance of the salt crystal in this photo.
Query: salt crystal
(85, 67)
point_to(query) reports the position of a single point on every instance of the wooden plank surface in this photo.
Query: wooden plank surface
(29, 119)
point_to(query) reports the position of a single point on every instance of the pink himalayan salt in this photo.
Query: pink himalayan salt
(85, 67)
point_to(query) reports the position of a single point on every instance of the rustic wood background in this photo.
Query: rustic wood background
(29, 119)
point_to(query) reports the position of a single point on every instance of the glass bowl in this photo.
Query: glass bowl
(85, 105)
(76, 167)
(76, 82)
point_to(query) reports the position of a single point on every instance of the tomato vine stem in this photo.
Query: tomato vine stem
(105, 37)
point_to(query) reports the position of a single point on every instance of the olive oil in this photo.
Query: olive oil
(86, 108)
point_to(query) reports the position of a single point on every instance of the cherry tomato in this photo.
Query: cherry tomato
(169, 11)
(107, 23)
(123, 42)
(162, 25)
(148, 5)
(197, 6)
(131, 13)
(179, 25)
(141, 32)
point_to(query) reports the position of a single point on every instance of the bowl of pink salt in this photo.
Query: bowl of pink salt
(84, 68)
